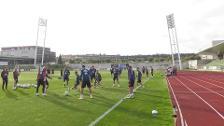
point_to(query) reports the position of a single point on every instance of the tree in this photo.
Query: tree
(220, 55)
(60, 60)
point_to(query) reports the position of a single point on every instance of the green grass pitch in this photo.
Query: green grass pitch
(23, 108)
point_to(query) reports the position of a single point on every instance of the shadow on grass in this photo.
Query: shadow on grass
(62, 102)
(22, 92)
(11, 95)
(115, 89)
(102, 101)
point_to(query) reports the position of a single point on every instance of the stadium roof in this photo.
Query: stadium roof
(214, 49)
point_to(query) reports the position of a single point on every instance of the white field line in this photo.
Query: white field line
(205, 87)
(93, 123)
(185, 122)
(208, 83)
(178, 106)
(201, 98)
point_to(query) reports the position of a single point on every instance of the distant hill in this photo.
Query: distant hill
(98, 58)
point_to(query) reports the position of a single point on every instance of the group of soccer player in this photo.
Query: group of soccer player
(116, 72)
(86, 78)
(5, 74)
(171, 71)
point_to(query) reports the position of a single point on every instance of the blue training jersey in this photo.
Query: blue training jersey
(116, 72)
(131, 75)
(85, 75)
(139, 75)
(92, 71)
(66, 73)
(77, 79)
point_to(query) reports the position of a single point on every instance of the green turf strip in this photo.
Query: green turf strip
(23, 108)
(137, 111)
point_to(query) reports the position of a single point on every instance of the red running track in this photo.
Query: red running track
(198, 98)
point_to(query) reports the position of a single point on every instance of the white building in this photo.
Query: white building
(29, 52)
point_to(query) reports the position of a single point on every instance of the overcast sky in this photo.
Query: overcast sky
(124, 27)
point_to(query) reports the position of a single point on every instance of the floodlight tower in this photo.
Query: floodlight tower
(41, 33)
(175, 53)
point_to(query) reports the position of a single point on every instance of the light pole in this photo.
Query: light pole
(173, 40)
(42, 26)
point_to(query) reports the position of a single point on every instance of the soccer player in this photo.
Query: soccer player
(139, 76)
(152, 71)
(116, 76)
(15, 77)
(98, 79)
(147, 72)
(66, 76)
(174, 70)
(169, 71)
(120, 71)
(42, 80)
(143, 69)
(92, 72)
(111, 69)
(4, 76)
(77, 81)
(61, 73)
(85, 77)
(131, 81)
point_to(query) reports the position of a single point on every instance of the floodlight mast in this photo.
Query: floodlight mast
(173, 40)
(173, 62)
(45, 33)
(179, 59)
(41, 23)
(35, 55)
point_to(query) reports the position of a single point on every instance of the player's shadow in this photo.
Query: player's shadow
(11, 95)
(63, 102)
(101, 100)
(22, 92)
(115, 89)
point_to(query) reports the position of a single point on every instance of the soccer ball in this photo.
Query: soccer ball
(66, 93)
(154, 112)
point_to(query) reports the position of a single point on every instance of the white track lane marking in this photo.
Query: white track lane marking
(178, 106)
(215, 80)
(204, 87)
(185, 122)
(200, 98)
(209, 83)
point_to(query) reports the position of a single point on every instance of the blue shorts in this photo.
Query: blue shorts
(66, 78)
(86, 83)
(131, 83)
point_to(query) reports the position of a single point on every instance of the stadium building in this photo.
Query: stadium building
(25, 55)
(216, 51)
(211, 58)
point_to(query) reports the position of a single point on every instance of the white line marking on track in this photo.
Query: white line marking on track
(185, 122)
(200, 98)
(205, 87)
(112, 108)
(178, 106)
(209, 83)
(215, 80)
